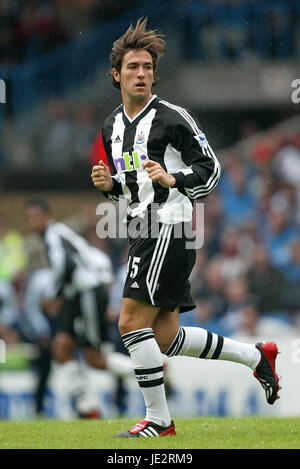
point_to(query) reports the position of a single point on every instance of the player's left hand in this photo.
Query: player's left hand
(157, 174)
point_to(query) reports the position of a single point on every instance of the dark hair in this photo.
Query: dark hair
(137, 38)
(41, 203)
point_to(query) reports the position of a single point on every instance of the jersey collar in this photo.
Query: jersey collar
(133, 122)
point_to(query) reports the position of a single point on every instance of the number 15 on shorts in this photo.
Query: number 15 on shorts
(133, 266)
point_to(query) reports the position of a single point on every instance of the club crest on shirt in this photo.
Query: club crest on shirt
(140, 138)
(201, 139)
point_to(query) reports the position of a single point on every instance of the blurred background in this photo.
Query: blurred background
(231, 62)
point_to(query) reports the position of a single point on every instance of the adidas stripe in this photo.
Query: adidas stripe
(158, 256)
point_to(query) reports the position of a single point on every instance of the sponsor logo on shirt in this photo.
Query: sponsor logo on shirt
(129, 162)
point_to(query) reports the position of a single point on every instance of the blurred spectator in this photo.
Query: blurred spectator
(210, 293)
(291, 272)
(262, 152)
(266, 283)
(280, 230)
(231, 261)
(56, 145)
(252, 324)
(238, 200)
(84, 131)
(214, 222)
(237, 297)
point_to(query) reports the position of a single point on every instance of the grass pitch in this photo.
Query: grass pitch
(197, 433)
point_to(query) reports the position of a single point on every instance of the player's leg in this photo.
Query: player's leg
(63, 347)
(93, 309)
(165, 328)
(135, 325)
(68, 369)
(154, 282)
(200, 343)
(43, 366)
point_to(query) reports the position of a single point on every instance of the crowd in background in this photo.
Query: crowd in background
(213, 28)
(29, 28)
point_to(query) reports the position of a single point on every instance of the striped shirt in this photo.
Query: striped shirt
(171, 136)
(76, 265)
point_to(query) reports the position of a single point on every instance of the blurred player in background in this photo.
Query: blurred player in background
(41, 308)
(82, 275)
(161, 162)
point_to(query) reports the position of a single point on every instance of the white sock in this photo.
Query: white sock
(72, 380)
(119, 364)
(199, 343)
(147, 362)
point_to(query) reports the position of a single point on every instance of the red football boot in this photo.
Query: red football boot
(265, 370)
(90, 415)
(147, 429)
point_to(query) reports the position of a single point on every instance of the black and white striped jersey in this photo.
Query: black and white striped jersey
(77, 266)
(171, 136)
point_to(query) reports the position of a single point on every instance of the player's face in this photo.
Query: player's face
(36, 219)
(136, 76)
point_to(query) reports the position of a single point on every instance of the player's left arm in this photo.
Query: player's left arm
(201, 170)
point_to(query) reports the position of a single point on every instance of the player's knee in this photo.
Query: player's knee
(135, 315)
(62, 348)
(163, 346)
(126, 325)
(127, 320)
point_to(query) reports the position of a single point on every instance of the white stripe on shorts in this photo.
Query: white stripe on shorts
(158, 256)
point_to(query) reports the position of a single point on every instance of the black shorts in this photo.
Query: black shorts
(159, 267)
(84, 317)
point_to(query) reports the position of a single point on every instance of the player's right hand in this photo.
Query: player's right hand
(101, 177)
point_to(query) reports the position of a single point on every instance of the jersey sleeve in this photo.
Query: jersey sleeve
(116, 190)
(201, 170)
(57, 259)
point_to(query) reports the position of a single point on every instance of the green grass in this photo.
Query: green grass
(197, 433)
